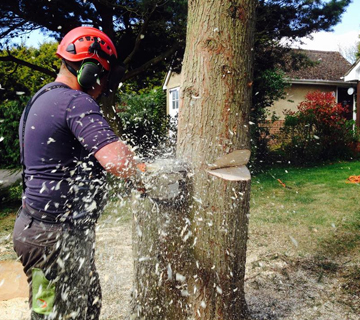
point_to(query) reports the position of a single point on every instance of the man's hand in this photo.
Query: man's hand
(141, 166)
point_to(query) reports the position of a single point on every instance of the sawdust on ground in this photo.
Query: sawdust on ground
(278, 285)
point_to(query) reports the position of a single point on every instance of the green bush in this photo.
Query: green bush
(10, 114)
(10, 197)
(145, 122)
(318, 131)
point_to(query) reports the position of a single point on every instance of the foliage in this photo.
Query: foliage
(150, 36)
(146, 125)
(148, 33)
(10, 113)
(10, 198)
(270, 86)
(18, 78)
(145, 32)
(318, 131)
(278, 20)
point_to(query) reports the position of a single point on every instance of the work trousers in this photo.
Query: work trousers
(58, 259)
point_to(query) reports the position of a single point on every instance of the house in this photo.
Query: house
(353, 76)
(329, 72)
(172, 87)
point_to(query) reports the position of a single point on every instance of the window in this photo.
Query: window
(174, 102)
(174, 98)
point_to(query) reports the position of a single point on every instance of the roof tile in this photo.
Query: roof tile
(329, 66)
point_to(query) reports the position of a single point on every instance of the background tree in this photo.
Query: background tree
(277, 20)
(38, 67)
(145, 32)
(350, 52)
(145, 122)
(148, 33)
(10, 113)
(134, 26)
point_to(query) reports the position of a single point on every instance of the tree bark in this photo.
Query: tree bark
(214, 121)
(161, 241)
(108, 107)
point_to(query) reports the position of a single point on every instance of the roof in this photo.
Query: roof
(328, 66)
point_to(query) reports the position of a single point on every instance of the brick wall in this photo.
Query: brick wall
(274, 130)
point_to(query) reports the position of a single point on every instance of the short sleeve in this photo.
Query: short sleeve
(86, 122)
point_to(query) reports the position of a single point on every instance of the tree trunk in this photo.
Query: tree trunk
(161, 242)
(190, 231)
(214, 121)
(108, 107)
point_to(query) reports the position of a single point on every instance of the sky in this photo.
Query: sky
(344, 37)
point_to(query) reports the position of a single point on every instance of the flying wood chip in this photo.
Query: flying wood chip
(240, 173)
(234, 159)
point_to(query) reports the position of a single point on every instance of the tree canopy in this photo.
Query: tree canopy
(290, 19)
(146, 32)
(150, 35)
(38, 67)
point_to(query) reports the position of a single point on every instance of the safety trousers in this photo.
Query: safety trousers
(58, 259)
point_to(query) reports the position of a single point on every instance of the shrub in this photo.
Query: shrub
(10, 114)
(318, 131)
(10, 197)
(145, 122)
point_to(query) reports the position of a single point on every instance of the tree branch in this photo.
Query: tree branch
(154, 61)
(118, 6)
(139, 36)
(10, 58)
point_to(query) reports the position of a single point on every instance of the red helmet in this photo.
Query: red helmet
(87, 43)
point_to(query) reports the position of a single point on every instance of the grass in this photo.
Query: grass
(316, 206)
(118, 210)
(313, 218)
(310, 218)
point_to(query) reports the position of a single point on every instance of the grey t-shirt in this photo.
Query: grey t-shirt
(64, 129)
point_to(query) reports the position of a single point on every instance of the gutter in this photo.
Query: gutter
(321, 82)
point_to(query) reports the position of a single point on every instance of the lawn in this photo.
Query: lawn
(315, 208)
(304, 239)
(302, 209)
(303, 252)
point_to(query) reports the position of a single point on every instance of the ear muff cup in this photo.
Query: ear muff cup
(88, 73)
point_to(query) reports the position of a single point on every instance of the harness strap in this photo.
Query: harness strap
(26, 113)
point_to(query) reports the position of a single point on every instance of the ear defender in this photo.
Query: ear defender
(88, 74)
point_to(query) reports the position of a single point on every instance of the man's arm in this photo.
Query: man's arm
(118, 159)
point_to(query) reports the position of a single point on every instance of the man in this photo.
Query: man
(65, 145)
